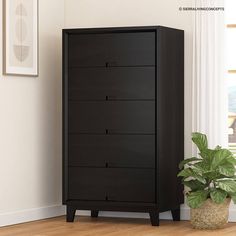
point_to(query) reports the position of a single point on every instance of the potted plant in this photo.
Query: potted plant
(211, 184)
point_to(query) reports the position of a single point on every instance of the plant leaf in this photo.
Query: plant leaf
(200, 140)
(218, 196)
(207, 156)
(204, 166)
(186, 161)
(207, 153)
(196, 199)
(197, 176)
(194, 185)
(231, 160)
(185, 173)
(218, 147)
(227, 185)
(188, 172)
(227, 169)
(220, 157)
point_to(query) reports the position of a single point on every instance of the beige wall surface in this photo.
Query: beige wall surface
(30, 122)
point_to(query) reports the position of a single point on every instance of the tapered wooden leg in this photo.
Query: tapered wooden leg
(176, 214)
(94, 214)
(154, 217)
(70, 213)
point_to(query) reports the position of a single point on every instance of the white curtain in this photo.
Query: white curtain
(209, 95)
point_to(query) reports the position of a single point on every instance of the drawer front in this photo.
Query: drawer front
(136, 151)
(112, 83)
(134, 49)
(132, 117)
(87, 50)
(135, 185)
(117, 49)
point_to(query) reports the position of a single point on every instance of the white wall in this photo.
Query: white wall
(108, 13)
(30, 128)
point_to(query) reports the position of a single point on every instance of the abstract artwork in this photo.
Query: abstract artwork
(21, 37)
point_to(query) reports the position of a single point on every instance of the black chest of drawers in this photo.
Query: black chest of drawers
(123, 120)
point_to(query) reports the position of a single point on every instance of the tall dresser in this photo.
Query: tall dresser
(123, 120)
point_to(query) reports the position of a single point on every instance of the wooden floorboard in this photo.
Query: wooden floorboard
(102, 226)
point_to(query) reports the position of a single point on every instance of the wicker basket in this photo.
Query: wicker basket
(210, 215)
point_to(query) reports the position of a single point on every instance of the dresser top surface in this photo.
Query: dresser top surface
(116, 29)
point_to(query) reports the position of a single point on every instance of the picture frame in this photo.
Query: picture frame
(20, 37)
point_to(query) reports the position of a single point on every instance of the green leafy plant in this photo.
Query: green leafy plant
(209, 175)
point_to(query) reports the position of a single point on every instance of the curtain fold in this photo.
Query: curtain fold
(209, 94)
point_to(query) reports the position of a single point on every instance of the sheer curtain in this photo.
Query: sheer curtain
(209, 95)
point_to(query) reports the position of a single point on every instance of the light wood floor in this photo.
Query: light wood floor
(85, 226)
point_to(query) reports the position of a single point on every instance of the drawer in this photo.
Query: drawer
(135, 49)
(132, 117)
(128, 185)
(112, 151)
(112, 83)
(117, 49)
(87, 50)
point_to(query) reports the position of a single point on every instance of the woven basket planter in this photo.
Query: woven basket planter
(210, 215)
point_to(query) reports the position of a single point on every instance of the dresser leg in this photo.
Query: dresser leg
(70, 213)
(94, 214)
(154, 217)
(176, 214)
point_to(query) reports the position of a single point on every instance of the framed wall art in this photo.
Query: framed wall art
(20, 27)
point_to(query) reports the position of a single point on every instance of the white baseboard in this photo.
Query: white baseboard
(12, 218)
(232, 215)
(185, 214)
(18, 217)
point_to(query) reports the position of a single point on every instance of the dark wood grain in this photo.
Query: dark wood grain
(112, 83)
(154, 217)
(133, 151)
(170, 110)
(94, 213)
(113, 117)
(117, 49)
(176, 214)
(123, 120)
(70, 213)
(112, 184)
